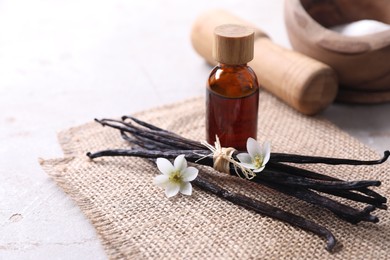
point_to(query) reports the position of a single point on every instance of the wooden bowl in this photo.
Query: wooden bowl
(361, 62)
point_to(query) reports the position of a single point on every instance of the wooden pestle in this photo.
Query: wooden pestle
(305, 84)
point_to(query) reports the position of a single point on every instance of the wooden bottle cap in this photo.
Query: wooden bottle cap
(233, 44)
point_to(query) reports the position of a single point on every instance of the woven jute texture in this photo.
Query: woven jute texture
(135, 220)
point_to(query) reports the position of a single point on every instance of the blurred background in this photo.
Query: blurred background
(63, 63)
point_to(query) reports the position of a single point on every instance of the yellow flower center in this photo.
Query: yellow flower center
(258, 161)
(175, 177)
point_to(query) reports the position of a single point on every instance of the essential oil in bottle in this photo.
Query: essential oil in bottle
(232, 95)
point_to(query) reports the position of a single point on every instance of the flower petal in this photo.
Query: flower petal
(253, 147)
(172, 189)
(189, 174)
(259, 169)
(244, 158)
(180, 163)
(161, 180)
(186, 188)
(164, 166)
(266, 152)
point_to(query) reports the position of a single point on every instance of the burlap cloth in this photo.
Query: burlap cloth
(134, 219)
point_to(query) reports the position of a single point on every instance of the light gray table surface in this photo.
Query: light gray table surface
(63, 63)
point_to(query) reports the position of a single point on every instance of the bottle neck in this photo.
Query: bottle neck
(223, 65)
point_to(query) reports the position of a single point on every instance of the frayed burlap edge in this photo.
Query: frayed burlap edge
(56, 168)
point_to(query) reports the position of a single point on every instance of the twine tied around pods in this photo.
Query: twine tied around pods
(223, 157)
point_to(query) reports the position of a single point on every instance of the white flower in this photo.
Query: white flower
(176, 177)
(257, 156)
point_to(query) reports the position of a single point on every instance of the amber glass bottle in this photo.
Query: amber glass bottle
(232, 95)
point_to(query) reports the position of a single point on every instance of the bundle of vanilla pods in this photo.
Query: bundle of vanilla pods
(149, 141)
